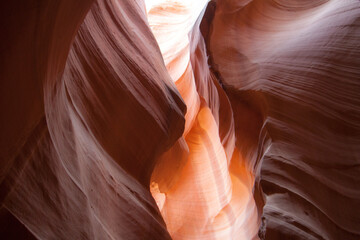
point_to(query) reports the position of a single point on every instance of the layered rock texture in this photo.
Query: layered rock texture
(187, 119)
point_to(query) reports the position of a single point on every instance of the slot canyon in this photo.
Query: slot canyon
(180, 119)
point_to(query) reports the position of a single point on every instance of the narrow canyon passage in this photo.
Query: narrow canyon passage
(210, 195)
(180, 119)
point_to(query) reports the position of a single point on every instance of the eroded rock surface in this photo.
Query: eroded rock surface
(180, 119)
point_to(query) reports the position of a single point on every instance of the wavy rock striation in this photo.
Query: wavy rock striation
(295, 64)
(104, 123)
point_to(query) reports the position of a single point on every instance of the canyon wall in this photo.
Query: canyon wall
(295, 66)
(108, 109)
